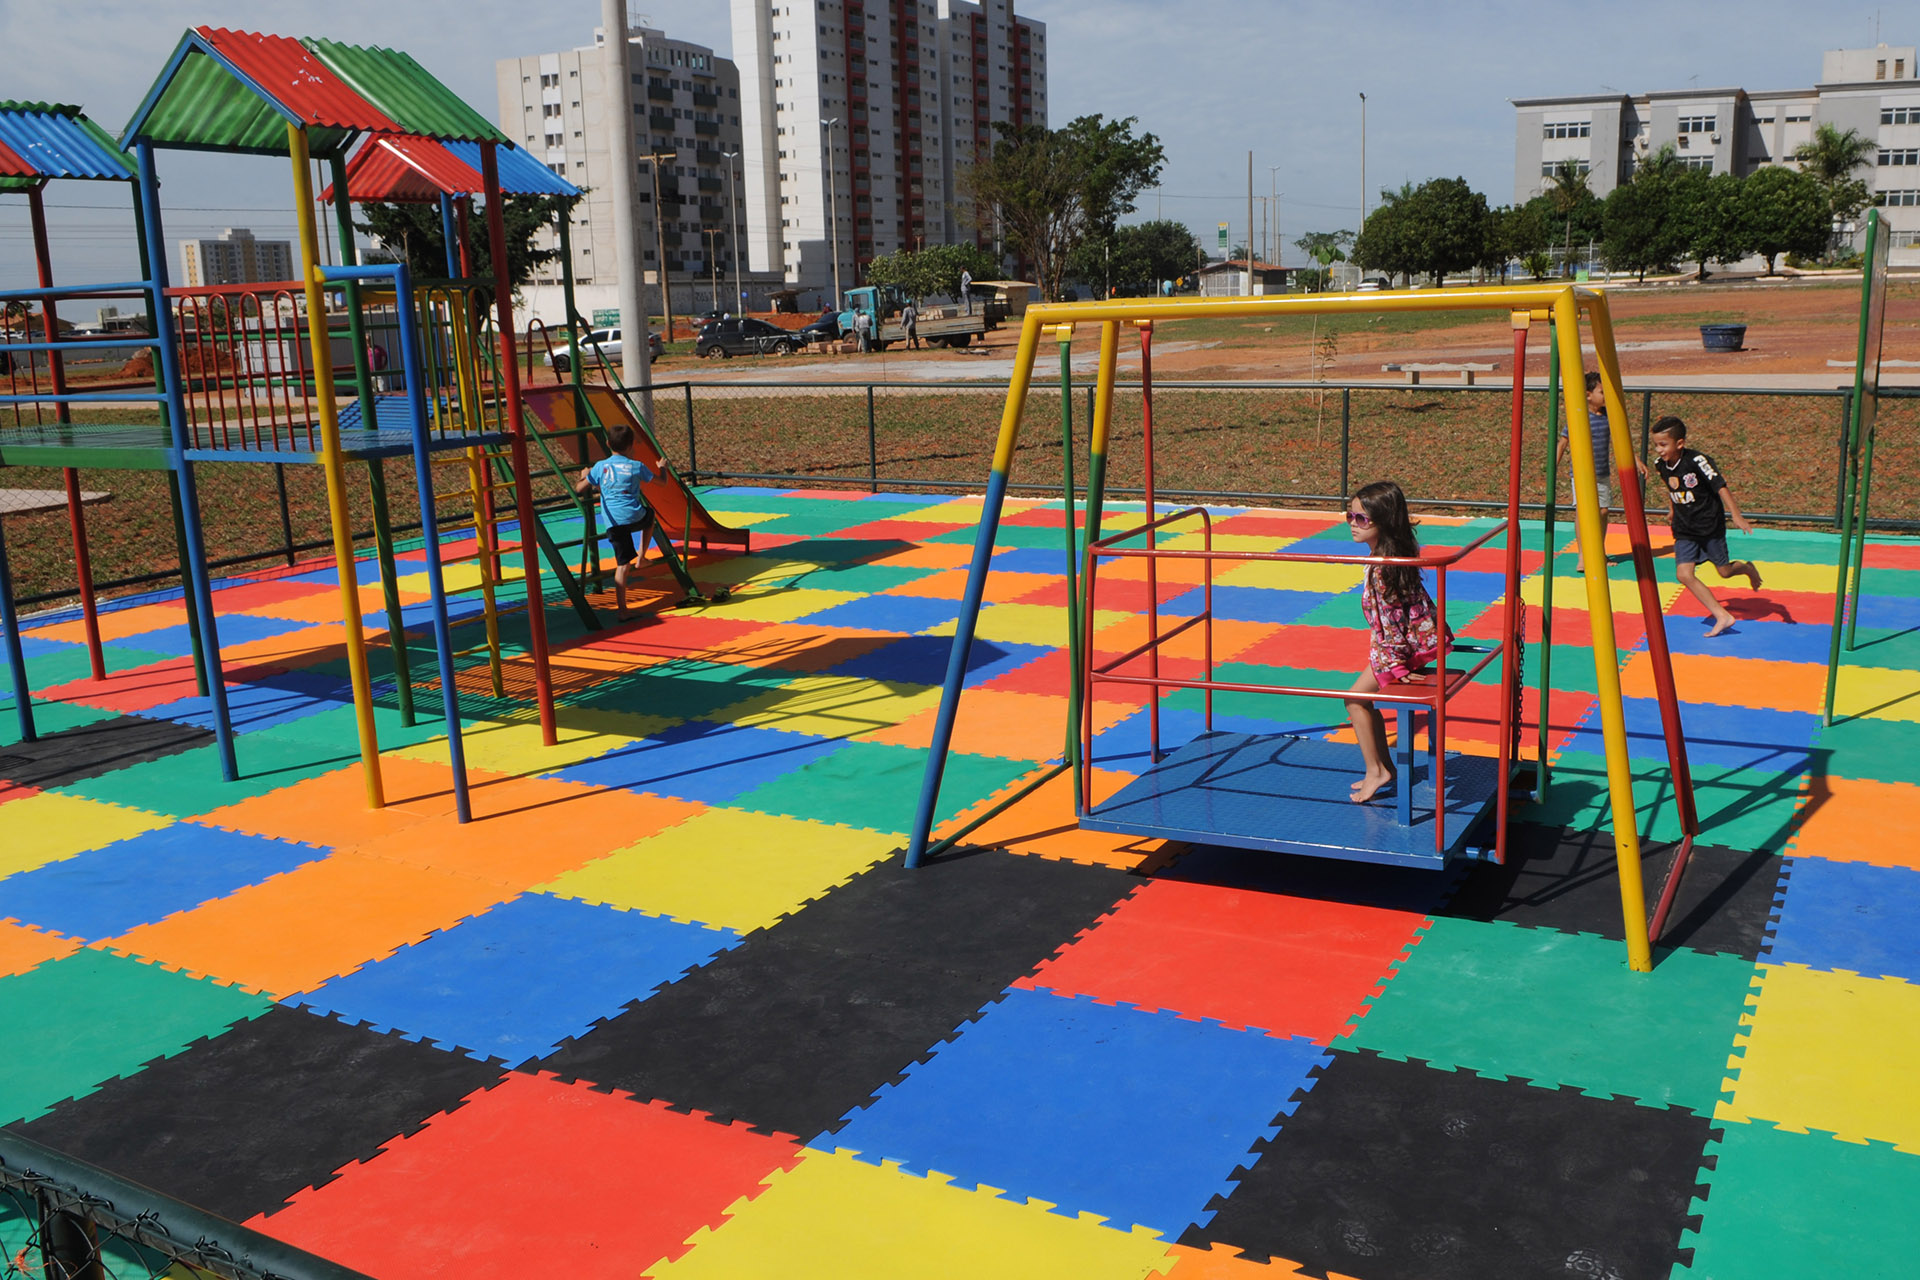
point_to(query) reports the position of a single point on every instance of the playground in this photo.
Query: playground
(921, 884)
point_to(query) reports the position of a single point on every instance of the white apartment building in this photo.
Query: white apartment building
(1729, 130)
(860, 114)
(235, 257)
(679, 98)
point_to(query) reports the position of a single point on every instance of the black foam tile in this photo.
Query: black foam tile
(1570, 880)
(240, 1122)
(801, 1024)
(1396, 1171)
(1326, 879)
(90, 750)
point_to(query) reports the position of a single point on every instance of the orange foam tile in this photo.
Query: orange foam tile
(23, 947)
(1853, 820)
(322, 642)
(323, 605)
(994, 722)
(1733, 682)
(526, 831)
(1191, 572)
(1223, 1262)
(1044, 825)
(116, 624)
(1004, 586)
(1230, 638)
(331, 810)
(293, 932)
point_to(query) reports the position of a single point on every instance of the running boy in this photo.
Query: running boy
(1701, 501)
(618, 477)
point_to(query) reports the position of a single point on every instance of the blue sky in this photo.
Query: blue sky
(1212, 78)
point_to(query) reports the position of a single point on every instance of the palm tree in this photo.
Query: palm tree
(1831, 157)
(1566, 189)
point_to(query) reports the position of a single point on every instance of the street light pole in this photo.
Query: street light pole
(713, 272)
(1363, 165)
(833, 201)
(1273, 199)
(733, 234)
(654, 159)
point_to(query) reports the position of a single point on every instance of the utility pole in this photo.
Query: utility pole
(1249, 292)
(733, 234)
(833, 201)
(713, 272)
(636, 369)
(1363, 165)
(655, 159)
(1273, 199)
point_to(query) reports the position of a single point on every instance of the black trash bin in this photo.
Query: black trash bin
(1722, 337)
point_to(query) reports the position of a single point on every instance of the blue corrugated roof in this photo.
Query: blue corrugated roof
(520, 173)
(59, 142)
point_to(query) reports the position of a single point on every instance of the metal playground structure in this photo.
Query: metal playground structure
(1286, 792)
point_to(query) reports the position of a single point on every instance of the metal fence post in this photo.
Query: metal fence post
(1346, 438)
(873, 450)
(1646, 425)
(693, 456)
(1840, 475)
(286, 517)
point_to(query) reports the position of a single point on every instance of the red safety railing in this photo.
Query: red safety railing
(1445, 682)
(246, 366)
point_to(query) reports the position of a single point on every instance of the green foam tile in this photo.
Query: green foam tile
(50, 718)
(1561, 1009)
(1882, 646)
(1011, 535)
(189, 782)
(1739, 808)
(1267, 706)
(93, 1015)
(877, 786)
(681, 689)
(45, 670)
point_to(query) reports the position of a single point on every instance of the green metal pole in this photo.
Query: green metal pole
(580, 415)
(186, 595)
(1552, 506)
(1860, 540)
(1849, 511)
(1074, 656)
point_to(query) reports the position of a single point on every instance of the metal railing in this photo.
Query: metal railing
(64, 1219)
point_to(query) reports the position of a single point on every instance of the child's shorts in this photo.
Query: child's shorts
(1695, 550)
(621, 535)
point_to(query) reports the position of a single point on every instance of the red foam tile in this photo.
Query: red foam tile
(534, 1175)
(1893, 555)
(1261, 524)
(1571, 627)
(1120, 595)
(133, 690)
(260, 597)
(900, 530)
(1051, 518)
(1755, 606)
(15, 791)
(839, 495)
(1050, 674)
(1494, 560)
(1290, 966)
(1316, 648)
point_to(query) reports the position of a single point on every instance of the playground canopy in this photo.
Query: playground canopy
(42, 140)
(420, 171)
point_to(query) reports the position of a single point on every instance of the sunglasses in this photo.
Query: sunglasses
(1357, 518)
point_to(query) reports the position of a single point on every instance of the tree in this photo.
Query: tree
(1831, 158)
(1437, 227)
(1382, 244)
(1521, 235)
(411, 232)
(1052, 189)
(1135, 259)
(1783, 211)
(1705, 211)
(1639, 230)
(933, 270)
(1567, 190)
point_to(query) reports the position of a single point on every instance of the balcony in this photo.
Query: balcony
(707, 155)
(673, 238)
(713, 213)
(660, 93)
(659, 121)
(709, 128)
(712, 184)
(701, 98)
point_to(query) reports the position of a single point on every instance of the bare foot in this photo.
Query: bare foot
(1721, 623)
(1753, 574)
(1365, 789)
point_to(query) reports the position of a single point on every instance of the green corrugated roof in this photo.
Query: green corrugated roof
(204, 106)
(406, 91)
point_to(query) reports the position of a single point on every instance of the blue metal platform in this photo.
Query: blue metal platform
(1290, 795)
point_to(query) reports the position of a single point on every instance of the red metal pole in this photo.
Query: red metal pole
(516, 424)
(1510, 617)
(1153, 538)
(57, 375)
(462, 212)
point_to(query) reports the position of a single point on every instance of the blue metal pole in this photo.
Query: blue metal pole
(16, 655)
(957, 663)
(450, 236)
(176, 410)
(430, 530)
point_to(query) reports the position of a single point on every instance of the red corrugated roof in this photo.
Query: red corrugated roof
(297, 80)
(11, 165)
(406, 169)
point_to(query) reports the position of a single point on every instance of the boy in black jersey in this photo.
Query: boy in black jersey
(1701, 502)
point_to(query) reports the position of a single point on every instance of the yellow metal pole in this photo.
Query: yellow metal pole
(334, 465)
(1606, 657)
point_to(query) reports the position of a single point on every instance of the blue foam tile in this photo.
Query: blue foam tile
(234, 628)
(703, 761)
(912, 499)
(1850, 915)
(1730, 737)
(263, 703)
(1895, 613)
(366, 573)
(1139, 1117)
(1772, 640)
(1467, 585)
(1246, 604)
(32, 646)
(923, 660)
(513, 982)
(419, 617)
(105, 892)
(1127, 745)
(1038, 560)
(906, 614)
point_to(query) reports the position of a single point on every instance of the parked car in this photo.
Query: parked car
(1374, 284)
(744, 337)
(601, 344)
(825, 329)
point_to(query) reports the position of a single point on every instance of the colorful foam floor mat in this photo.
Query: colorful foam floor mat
(671, 1006)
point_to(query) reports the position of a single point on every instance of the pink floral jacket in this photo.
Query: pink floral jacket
(1405, 637)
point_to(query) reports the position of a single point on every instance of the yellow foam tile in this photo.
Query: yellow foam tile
(1835, 1052)
(1879, 693)
(771, 603)
(955, 511)
(1786, 575)
(743, 871)
(749, 519)
(1044, 624)
(50, 827)
(831, 706)
(1045, 825)
(740, 570)
(1003, 723)
(462, 575)
(515, 746)
(833, 1216)
(1285, 575)
(1570, 592)
(23, 947)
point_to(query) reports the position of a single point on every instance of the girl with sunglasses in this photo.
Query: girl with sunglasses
(1404, 625)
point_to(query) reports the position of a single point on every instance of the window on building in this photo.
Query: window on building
(1899, 68)
(1880, 69)
(1890, 156)
(1568, 129)
(1548, 168)
(1803, 117)
(1897, 199)
(1904, 240)
(1702, 164)
(1900, 115)
(1699, 124)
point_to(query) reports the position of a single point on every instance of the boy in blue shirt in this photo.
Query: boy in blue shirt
(618, 478)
